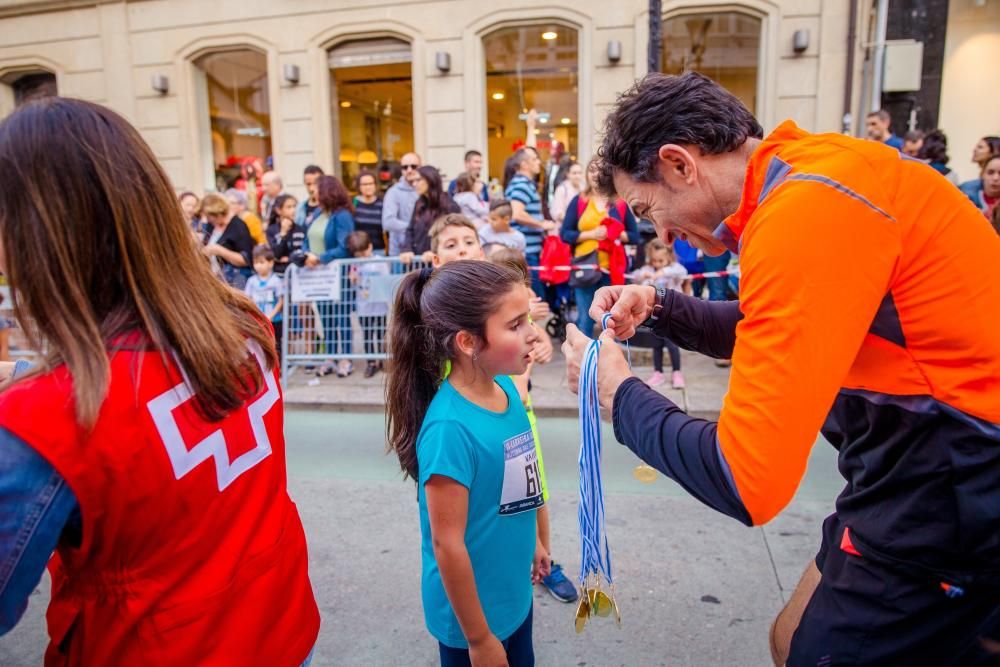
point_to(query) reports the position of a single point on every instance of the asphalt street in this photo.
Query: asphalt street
(695, 588)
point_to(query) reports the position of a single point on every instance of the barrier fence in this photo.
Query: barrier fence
(339, 311)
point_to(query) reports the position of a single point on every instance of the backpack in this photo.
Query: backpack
(555, 253)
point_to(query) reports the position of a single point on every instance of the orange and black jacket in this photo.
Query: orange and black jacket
(869, 311)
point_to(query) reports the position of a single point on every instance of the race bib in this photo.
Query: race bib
(522, 481)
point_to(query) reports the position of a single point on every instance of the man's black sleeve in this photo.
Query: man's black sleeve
(708, 327)
(683, 448)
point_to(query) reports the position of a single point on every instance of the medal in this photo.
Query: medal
(596, 579)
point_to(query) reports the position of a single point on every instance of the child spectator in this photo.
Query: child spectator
(472, 205)
(266, 289)
(499, 229)
(372, 312)
(453, 237)
(283, 235)
(662, 270)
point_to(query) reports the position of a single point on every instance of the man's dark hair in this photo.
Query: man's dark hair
(471, 154)
(881, 114)
(935, 148)
(661, 109)
(312, 169)
(913, 136)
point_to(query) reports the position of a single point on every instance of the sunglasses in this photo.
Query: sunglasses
(406, 167)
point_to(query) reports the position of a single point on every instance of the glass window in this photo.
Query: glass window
(33, 85)
(372, 106)
(531, 68)
(722, 45)
(239, 111)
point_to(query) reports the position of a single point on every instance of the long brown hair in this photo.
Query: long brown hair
(86, 266)
(431, 309)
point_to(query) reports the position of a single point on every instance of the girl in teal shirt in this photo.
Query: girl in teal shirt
(467, 442)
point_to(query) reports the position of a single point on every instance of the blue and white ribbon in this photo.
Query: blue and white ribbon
(595, 555)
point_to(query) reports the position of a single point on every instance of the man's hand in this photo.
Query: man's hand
(612, 367)
(629, 305)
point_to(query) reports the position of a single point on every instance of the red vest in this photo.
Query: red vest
(192, 553)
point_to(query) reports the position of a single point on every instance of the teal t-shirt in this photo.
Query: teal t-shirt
(493, 455)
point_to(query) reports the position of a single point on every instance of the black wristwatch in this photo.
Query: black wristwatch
(658, 303)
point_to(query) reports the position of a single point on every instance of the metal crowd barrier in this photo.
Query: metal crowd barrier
(339, 311)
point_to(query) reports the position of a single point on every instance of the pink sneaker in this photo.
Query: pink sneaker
(656, 379)
(677, 380)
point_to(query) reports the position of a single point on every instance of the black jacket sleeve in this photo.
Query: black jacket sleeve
(708, 327)
(682, 447)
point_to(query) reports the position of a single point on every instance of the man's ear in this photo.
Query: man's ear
(677, 165)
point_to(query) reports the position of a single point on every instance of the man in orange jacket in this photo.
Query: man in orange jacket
(869, 311)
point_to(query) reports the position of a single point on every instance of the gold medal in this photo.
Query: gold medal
(644, 473)
(602, 604)
(582, 611)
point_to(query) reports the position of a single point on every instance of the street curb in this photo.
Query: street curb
(540, 411)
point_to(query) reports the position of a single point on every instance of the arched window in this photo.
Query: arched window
(724, 46)
(231, 90)
(372, 101)
(531, 68)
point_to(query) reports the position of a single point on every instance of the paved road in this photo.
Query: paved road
(695, 588)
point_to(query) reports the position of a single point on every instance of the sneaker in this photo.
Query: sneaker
(371, 369)
(559, 586)
(656, 379)
(325, 369)
(677, 380)
(723, 363)
(344, 368)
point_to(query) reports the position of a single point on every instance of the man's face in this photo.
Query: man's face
(532, 163)
(409, 165)
(877, 129)
(310, 180)
(912, 148)
(682, 210)
(474, 165)
(271, 185)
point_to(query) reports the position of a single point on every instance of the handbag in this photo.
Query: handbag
(555, 253)
(589, 276)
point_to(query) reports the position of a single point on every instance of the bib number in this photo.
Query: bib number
(522, 480)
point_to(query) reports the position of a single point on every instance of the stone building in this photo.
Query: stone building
(216, 86)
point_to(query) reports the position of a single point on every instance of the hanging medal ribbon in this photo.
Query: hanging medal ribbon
(597, 596)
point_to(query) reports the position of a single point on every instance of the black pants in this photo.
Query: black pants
(519, 647)
(675, 353)
(866, 613)
(373, 330)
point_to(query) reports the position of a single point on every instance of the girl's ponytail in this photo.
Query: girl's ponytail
(431, 308)
(416, 371)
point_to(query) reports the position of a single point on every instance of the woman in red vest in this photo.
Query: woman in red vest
(145, 449)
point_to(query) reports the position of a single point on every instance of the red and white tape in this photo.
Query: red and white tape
(590, 267)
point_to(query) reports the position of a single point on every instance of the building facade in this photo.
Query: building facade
(222, 89)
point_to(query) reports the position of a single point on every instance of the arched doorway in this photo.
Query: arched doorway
(723, 45)
(371, 84)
